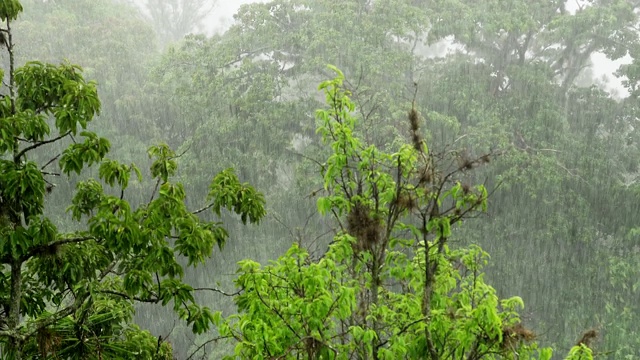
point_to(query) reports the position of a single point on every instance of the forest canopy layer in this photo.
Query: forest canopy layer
(375, 187)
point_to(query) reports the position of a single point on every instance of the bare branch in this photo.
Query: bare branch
(153, 193)
(219, 291)
(216, 339)
(202, 209)
(50, 161)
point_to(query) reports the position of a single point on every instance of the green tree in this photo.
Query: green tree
(563, 224)
(248, 97)
(72, 294)
(390, 286)
(569, 169)
(114, 46)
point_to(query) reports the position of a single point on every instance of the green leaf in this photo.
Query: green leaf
(164, 164)
(9, 9)
(226, 191)
(324, 205)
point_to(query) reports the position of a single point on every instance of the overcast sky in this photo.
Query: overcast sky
(223, 14)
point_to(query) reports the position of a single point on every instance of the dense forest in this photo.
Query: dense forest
(321, 179)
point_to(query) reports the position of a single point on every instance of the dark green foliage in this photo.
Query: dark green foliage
(72, 294)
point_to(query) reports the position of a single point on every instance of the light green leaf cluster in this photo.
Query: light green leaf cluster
(376, 292)
(22, 185)
(78, 155)
(10, 9)
(57, 90)
(580, 352)
(298, 308)
(317, 298)
(226, 191)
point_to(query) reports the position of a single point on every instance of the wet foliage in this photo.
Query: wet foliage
(442, 132)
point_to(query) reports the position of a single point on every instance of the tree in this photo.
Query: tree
(114, 45)
(390, 286)
(72, 294)
(569, 169)
(563, 224)
(248, 97)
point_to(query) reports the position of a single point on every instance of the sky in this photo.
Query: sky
(223, 14)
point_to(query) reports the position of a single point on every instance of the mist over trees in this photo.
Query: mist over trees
(173, 19)
(389, 179)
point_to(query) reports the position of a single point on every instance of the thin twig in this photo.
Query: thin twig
(219, 291)
(50, 161)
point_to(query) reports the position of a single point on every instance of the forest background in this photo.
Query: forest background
(512, 80)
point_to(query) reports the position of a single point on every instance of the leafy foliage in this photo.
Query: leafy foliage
(71, 295)
(374, 294)
(513, 76)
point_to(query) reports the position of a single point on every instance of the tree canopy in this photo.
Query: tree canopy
(514, 80)
(452, 130)
(71, 294)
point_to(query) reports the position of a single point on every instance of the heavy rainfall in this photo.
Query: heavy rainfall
(320, 179)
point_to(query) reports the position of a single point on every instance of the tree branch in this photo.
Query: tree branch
(219, 291)
(205, 344)
(43, 248)
(202, 209)
(17, 157)
(50, 161)
(136, 298)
